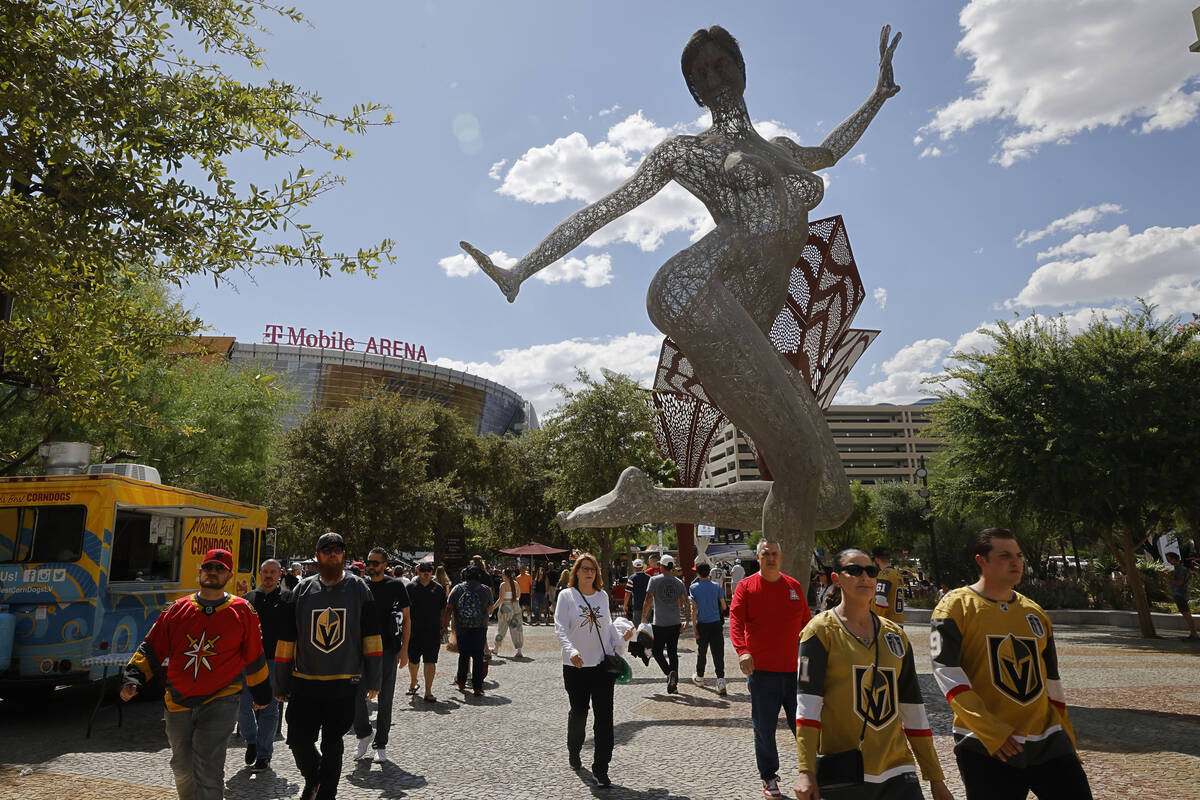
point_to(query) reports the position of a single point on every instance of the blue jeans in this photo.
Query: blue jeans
(258, 727)
(770, 691)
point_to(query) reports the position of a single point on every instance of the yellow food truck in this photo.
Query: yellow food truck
(87, 563)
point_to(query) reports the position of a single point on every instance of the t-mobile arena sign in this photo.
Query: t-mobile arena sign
(336, 340)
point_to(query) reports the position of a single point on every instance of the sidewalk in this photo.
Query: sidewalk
(1135, 705)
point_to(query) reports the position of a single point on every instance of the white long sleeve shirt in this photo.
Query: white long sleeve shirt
(576, 626)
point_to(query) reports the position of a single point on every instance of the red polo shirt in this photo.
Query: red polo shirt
(765, 620)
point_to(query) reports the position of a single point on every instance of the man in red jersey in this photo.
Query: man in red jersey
(765, 620)
(207, 638)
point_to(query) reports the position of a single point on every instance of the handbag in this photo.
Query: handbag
(613, 664)
(844, 770)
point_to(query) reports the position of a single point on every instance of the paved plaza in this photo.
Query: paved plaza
(1135, 705)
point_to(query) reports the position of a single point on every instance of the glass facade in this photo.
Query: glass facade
(333, 378)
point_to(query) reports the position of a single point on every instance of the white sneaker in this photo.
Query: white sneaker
(380, 755)
(697, 679)
(364, 744)
(721, 687)
(518, 654)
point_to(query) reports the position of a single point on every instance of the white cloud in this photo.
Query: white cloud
(532, 371)
(921, 354)
(1159, 264)
(930, 152)
(572, 168)
(593, 270)
(860, 159)
(1075, 221)
(1053, 70)
(604, 112)
(494, 172)
(880, 296)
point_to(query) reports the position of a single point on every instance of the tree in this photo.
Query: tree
(595, 433)
(365, 471)
(515, 507)
(114, 153)
(860, 529)
(1097, 426)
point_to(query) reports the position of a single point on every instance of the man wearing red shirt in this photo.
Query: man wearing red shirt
(765, 620)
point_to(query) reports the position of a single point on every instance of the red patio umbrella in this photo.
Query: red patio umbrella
(533, 549)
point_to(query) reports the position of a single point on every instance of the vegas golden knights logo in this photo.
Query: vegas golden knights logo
(875, 700)
(328, 628)
(1016, 668)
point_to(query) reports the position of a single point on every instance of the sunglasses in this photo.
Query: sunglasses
(332, 548)
(855, 570)
(375, 563)
(214, 568)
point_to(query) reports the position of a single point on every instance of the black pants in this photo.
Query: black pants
(988, 778)
(471, 642)
(387, 694)
(666, 637)
(324, 708)
(900, 787)
(592, 685)
(711, 638)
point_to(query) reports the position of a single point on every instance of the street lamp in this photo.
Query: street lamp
(927, 514)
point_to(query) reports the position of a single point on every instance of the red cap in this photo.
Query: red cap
(359, 564)
(223, 557)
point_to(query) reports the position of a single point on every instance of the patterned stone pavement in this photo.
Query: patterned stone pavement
(1135, 705)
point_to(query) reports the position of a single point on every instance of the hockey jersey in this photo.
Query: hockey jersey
(333, 635)
(839, 687)
(996, 664)
(207, 647)
(889, 594)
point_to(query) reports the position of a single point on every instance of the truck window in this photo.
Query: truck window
(245, 560)
(146, 547)
(42, 533)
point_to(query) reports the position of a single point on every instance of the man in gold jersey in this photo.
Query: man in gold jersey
(889, 587)
(994, 659)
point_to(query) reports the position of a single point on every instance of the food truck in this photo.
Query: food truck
(88, 562)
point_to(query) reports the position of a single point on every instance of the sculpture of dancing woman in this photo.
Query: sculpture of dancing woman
(719, 298)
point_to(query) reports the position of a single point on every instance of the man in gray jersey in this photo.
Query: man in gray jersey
(327, 648)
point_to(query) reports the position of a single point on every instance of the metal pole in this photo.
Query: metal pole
(927, 513)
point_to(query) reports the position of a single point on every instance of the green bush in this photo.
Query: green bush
(1055, 593)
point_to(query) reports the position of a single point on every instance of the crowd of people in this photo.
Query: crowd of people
(844, 679)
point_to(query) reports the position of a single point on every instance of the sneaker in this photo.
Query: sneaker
(251, 754)
(462, 687)
(601, 776)
(672, 683)
(771, 788)
(721, 687)
(697, 679)
(380, 755)
(478, 692)
(518, 654)
(261, 765)
(364, 744)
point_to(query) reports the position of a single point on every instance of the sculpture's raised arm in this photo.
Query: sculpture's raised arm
(846, 135)
(651, 176)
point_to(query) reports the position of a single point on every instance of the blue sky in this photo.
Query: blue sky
(1040, 157)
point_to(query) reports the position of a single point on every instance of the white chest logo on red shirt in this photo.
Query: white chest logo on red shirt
(198, 655)
(792, 595)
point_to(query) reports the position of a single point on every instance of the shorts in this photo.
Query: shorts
(524, 601)
(1182, 604)
(424, 646)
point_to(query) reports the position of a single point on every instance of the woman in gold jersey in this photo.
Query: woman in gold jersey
(858, 690)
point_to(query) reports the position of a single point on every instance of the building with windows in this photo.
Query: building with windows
(332, 377)
(878, 444)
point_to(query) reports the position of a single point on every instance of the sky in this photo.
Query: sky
(1040, 158)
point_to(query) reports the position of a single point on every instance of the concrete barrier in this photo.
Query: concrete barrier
(1080, 616)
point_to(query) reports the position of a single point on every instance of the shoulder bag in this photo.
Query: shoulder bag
(844, 770)
(613, 664)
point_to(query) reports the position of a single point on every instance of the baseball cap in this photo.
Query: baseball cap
(331, 538)
(667, 561)
(637, 562)
(425, 566)
(222, 557)
(881, 552)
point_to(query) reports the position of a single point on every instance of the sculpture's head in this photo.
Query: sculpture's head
(712, 64)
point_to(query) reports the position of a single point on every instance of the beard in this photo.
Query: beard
(330, 570)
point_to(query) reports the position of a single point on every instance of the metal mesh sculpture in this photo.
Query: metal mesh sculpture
(719, 298)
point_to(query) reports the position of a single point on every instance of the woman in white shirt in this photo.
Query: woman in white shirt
(587, 633)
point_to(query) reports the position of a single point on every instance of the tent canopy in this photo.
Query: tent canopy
(533, 549)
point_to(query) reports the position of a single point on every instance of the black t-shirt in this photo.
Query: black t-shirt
(271, 609)
(390, 597)
(427, 604)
